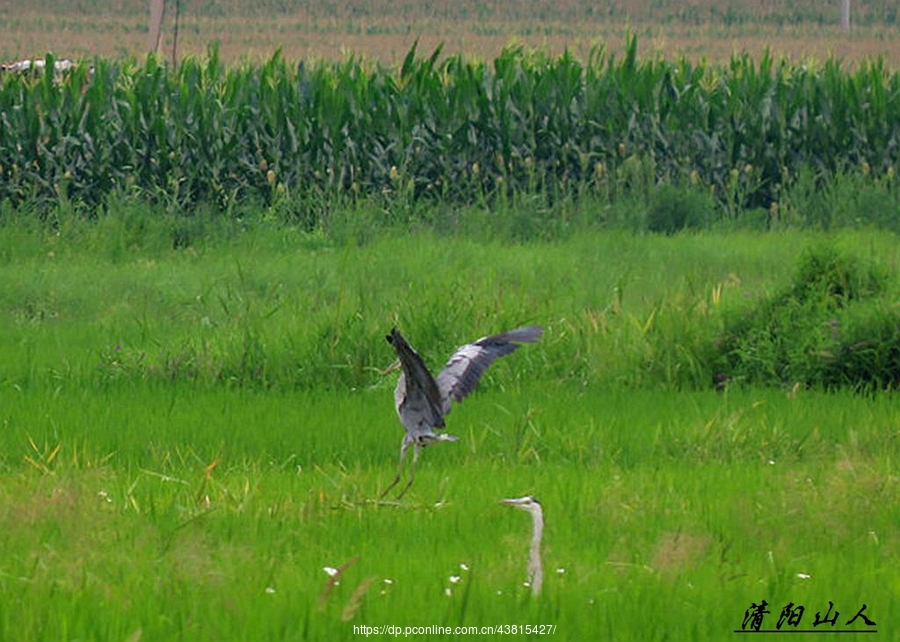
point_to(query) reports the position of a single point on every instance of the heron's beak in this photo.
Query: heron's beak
(519, 501)
(391, 368)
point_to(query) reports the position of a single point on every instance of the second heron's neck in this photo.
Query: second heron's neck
(538, 520)
(535, 569)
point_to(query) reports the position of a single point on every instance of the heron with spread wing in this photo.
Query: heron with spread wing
(422, 400)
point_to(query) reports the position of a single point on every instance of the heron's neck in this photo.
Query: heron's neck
(537, 518)
(535, 568)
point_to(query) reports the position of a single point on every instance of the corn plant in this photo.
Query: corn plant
(439, 128)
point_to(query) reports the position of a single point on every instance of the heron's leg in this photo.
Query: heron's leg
(403, 449)
(412, 470)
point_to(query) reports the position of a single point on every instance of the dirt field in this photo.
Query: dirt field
(385, 31)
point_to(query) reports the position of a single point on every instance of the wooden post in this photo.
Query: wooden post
(157, 9)
(845, 15)
(175, 33)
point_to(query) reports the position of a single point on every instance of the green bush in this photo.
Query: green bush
(674, 209)
(831, 326)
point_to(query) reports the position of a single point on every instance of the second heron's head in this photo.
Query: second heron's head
(527, 503)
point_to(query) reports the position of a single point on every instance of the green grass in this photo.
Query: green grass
(188, 437)
(669, 512)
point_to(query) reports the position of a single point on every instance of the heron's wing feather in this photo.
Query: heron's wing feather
(416, 392)
(465, 367)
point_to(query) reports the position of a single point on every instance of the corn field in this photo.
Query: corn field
(438, 128)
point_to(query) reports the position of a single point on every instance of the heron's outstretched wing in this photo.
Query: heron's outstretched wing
(465, 367)
(416, 388)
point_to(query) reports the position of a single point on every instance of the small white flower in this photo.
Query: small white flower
(804, 576)
(448, 592)
(464, 567)
(454, 579)
(560, 571)
(526, 584)
(270, 590)
(771, 462)
(330, 570)
(388, 580)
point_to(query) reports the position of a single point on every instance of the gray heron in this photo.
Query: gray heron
(422, 400)
(535, 568)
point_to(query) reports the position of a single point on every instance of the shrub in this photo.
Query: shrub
(674, 209)
(830, 327)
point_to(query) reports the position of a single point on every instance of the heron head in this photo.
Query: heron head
(527, 503)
